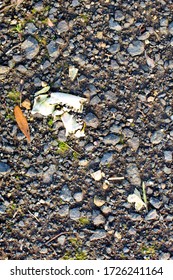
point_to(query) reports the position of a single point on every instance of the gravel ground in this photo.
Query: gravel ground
(60, 196)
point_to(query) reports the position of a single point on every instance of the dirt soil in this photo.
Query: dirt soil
(52, 203)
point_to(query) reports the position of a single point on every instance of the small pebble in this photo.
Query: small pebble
(61, 240)
(155, 202)
(91, 120)
(64, 210)
(98, 234)
(157, 137)
(62, 26)
(74, 213)
(78, 196)
(152, 215)
(133, 174)
(107, 158)
(168, 156)
(4, 168)
(99, 220)
(98, 201)
(65, 193)
(97, 175)
(136, 48)
(31, 47)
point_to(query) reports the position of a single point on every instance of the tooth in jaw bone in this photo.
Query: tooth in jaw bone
(75, 102)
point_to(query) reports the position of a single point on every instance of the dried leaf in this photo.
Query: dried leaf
(22, 122)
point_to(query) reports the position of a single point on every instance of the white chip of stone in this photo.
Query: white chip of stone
(97, 175)
(118, 235)
(98, 201)
(72, 72)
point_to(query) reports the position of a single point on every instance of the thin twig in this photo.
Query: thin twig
(33, 216)
(115, 178)
(56, 236)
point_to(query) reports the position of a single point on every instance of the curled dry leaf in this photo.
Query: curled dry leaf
(22, 122)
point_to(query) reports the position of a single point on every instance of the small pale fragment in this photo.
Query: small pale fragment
(26, 104)
(136, 198)
(70, 124)
(73, 101)
(4, 69)
(97, 175)
(105, 185)
(42, 106)
(50, 23)
(115, 178)
(98, 201)
(118, 235)
(99, 35)
(43, 90)
(72, 73)
(150, 61)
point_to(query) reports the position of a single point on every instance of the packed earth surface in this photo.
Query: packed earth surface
(63, 197)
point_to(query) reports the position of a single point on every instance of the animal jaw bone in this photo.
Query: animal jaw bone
(46, 105)
(72, 101)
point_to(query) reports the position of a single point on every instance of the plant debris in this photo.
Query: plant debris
(22, 122)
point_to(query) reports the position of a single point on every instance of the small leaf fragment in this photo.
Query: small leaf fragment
(22, 122)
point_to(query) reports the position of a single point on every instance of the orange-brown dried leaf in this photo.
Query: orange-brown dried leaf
(22, 122)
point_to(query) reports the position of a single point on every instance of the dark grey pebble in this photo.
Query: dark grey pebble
(53, 49)
(4, 167)
(111, 139)
(98, 234)
(91, 120)
(47, 176)
(31, 47)
(136, 48)
(65, 193)
(155, 202)
(152, 215)
(119, 16)
(133, 174)
(107, 158)
(171, 28)
(2, 208)
(114, 48)
(157, 137)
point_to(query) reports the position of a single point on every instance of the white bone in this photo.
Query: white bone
(71, 125)
(75, 102)
(42, 106)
